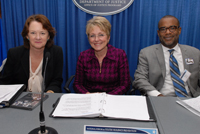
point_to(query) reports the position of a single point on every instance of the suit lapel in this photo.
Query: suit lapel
(161, 59)
(25, 62)
(48, 68)
(44, 60)
(184, 55)
(187, 67)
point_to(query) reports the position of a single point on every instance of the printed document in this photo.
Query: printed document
(102, 105)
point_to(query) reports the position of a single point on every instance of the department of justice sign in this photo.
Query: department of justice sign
(103, 7)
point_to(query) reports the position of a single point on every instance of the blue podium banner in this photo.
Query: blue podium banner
(103, 7)
(90, 129)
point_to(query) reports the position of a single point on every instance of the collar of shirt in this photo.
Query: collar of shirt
(110, 53)
(176, 49)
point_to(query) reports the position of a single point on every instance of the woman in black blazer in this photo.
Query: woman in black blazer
(25, 64)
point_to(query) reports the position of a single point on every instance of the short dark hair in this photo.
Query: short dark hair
(169, 16)
(46, 25)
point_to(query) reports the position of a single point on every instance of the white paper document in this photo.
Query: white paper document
(192, 105)
(8, 91)
(102, 105)
(78, 105)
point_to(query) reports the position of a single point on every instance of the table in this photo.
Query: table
(19, 121)
(172, 118)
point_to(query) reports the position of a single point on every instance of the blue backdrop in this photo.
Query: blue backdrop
(3, 52)
(132, 29)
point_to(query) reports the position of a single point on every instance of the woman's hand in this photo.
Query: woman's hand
(50, 91)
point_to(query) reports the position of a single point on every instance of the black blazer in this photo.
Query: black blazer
(16, 69)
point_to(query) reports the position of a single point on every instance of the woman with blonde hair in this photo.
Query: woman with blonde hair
(102, 68)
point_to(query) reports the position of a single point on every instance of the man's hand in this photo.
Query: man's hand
(161, 95)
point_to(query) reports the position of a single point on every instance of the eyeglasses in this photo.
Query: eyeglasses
(94, 36)
(171, 29)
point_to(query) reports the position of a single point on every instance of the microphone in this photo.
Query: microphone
(43, 129)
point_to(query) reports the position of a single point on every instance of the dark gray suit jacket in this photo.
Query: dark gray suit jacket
(151, 70)
(16, 69)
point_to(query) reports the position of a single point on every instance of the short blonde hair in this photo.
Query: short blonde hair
(101, 22)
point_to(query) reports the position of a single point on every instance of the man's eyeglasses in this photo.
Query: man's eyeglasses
(171, 29)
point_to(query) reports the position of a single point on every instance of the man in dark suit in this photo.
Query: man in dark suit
(153, 74)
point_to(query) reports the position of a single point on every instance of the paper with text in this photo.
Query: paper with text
(102, 105)
(78, 105)
(94, 129)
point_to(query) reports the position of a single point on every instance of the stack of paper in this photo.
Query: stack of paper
(192, 105)
(8, 91)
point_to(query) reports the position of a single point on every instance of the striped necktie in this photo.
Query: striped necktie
(175, 75)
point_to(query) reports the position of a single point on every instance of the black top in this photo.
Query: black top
(16, 69)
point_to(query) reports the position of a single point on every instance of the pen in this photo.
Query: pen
(183, 74)
(56, 102)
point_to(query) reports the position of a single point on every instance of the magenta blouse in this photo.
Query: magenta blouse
(114, 77)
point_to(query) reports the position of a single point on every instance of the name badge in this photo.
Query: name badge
(189, 61)
(186, 74)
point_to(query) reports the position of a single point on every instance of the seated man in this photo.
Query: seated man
(168, 68)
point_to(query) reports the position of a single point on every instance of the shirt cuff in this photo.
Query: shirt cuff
(153, 93)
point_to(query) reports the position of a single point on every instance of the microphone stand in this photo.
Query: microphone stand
(43, 129)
